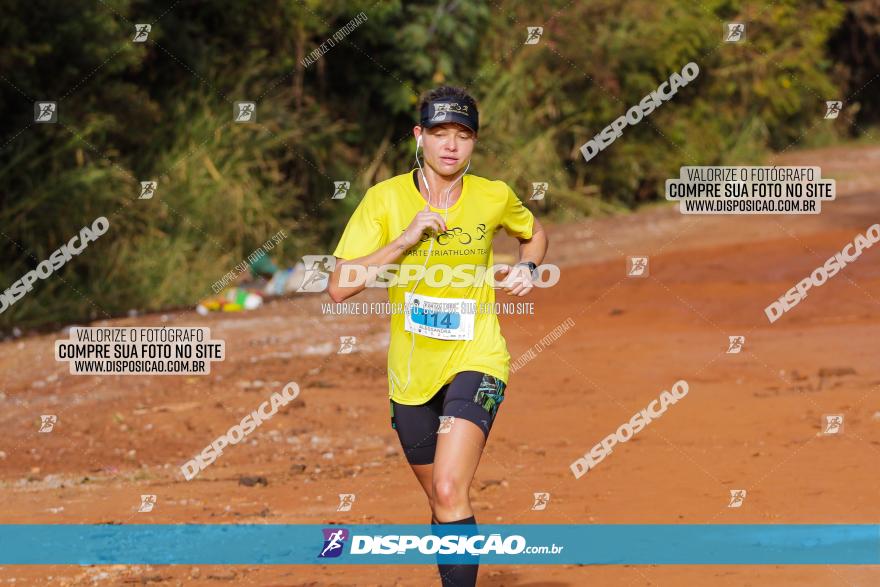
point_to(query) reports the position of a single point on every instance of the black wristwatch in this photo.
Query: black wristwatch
(532, 267)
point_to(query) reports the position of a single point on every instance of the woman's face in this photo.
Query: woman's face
(447, 147)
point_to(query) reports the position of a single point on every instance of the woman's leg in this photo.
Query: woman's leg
(455, 463)
(425, 476)
(416, 428)
(472, 399)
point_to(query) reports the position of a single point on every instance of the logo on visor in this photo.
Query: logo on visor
(449, 107)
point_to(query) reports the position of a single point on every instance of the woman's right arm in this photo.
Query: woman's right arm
(390, 253)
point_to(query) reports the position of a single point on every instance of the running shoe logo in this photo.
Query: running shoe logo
(334, 541)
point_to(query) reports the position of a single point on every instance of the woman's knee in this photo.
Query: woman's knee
(448, 491)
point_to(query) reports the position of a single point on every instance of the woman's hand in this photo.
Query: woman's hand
(517, 280)
(422, 221)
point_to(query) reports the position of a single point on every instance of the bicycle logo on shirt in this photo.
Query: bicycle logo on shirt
(452, 234)
(457, 234)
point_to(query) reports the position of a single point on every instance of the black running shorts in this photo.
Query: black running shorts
(471, 396)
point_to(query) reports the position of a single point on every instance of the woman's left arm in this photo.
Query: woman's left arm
(519, 278)
(535, 248)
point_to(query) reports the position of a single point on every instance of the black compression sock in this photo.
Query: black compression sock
(459, 575)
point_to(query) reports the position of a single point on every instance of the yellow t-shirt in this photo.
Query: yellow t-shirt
(483, 207)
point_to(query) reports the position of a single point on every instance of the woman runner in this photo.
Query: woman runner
(448, 363)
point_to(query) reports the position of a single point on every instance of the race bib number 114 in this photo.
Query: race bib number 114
(443, 318)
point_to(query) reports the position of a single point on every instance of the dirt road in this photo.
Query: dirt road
(750, 421)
